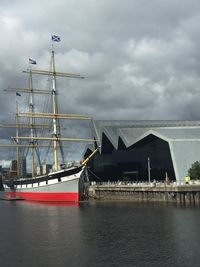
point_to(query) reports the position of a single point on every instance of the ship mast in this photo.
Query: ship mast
(55, 130)
(31, 109)
(17, 140)
(33, 143)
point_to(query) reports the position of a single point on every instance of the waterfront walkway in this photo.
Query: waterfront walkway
(144, 191)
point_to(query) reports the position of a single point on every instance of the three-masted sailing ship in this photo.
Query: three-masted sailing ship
(62, 182)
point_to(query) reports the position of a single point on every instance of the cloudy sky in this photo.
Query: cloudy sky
(141, 58)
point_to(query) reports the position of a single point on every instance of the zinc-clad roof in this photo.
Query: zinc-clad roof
(133, 131)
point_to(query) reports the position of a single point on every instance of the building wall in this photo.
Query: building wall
(185, 153)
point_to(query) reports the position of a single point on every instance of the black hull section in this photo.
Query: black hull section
(54, 175)
(1, 184)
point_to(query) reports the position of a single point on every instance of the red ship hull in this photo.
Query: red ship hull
(69, 197)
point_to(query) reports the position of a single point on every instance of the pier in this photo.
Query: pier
(173, 192)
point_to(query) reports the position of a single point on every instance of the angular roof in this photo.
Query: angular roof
(132, 131)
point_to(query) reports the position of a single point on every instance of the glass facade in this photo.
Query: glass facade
(132, 164)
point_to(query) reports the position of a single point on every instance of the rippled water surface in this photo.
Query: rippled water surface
(98, 234)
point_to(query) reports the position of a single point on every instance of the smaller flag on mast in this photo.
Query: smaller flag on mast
(55, 38)
(32, 61)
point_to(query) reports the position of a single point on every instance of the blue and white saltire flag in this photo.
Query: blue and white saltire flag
(18, 94)
(32, 61)
(55, 38)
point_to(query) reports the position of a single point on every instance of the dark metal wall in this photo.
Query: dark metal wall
(132, 164)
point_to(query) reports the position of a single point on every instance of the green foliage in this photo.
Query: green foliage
(194, 171)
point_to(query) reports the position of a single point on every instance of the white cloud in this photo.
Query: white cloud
(5, 163)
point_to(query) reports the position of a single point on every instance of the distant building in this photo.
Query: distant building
(129, 149)
(22, 167)
(13, 168)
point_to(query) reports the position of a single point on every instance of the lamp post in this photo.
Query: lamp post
(149, 170)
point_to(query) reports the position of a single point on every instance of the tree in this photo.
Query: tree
(194, 171)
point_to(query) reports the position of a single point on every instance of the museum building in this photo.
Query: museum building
(136, 150)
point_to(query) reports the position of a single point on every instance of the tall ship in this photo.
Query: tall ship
(59, 181)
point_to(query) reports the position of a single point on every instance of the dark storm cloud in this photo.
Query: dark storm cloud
(141, 58)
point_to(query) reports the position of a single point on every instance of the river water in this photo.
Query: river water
(98, 234)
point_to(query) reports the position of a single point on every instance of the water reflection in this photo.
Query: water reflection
(53, 203)
(98, 234)
(186, 233)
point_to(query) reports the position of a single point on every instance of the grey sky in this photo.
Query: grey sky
(141, 58)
